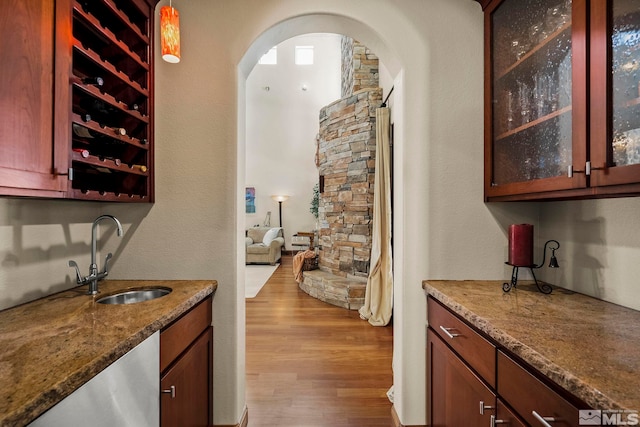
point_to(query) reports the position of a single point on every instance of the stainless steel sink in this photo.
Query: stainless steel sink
(132, 296)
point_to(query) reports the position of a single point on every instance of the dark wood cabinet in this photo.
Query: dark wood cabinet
(462, 371)
(505, 417)
(508, 392)
(34, 155)
(77, 99)
(562, 99)
(614, 125)
(457, 396)
(531, 398)
(186, 389)
(186, 369)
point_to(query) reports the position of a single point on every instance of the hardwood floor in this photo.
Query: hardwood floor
(313, 364)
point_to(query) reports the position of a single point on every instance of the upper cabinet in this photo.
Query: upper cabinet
(31, 161)
(615, 92)
(561, 99)
(77, 92)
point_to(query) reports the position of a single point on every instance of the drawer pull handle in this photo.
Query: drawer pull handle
(543, 420)
(449, 334)
(483, 407)
(171, 391)
(494, 421)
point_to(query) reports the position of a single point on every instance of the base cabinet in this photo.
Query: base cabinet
(531, 398)
(505, 416)
(457, 397)
(186, 397)
(510, 393)
(186, 369)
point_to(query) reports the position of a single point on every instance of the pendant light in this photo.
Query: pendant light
(170, 34)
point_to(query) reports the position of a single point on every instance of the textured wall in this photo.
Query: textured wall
(347, 162)
(360, 67)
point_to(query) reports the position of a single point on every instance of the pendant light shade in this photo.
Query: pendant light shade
(170, 34)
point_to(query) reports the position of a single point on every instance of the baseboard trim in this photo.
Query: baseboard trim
(244, 421)
(395, 420)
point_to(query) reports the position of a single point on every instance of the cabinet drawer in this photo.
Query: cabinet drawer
(180, 334)
(526, 394)
(479, 353)
(506, 417)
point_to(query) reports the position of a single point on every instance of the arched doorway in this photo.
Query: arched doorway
(299, 26)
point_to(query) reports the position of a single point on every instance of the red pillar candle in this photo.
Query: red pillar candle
(521, 245)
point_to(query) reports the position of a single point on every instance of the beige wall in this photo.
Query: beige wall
(282, 124)
(433, 51)
(600, 252)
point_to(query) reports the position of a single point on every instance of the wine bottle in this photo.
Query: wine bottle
(94, 81)
(91, 81)
(90, 136)
(100, 110)
(120, 131)
(141, 168)
(134, 107)
(117, 130)
(81, 131)
(115, 161)
(83, 153)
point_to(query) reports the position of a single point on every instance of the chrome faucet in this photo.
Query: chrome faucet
(94, 276)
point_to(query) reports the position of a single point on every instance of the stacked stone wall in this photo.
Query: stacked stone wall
(347, 150)
(360, 69)
(347, 66)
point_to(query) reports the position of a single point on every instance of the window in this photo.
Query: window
(270, 58)
(304, 55)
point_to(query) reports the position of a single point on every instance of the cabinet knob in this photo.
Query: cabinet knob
(171, 391)
(543, 420)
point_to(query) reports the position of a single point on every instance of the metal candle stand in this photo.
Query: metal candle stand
(542, 287)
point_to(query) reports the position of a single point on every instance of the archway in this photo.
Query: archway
(317, 23)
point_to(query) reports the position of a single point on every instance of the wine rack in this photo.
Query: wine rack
(111, 122)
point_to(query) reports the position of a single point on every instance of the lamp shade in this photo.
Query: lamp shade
(279, 198)
(170, 34)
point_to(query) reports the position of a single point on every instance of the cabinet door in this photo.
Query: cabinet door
(454, 393)
(28, 163)
(186, 390)
(505, 417)
(615, 92)
(536, 96)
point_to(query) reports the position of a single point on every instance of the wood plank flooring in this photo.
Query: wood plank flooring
(312, 364)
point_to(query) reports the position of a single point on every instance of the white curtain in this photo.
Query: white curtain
(378, 300)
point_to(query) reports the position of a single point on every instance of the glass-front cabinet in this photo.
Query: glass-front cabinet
(615, 92)
(562, 100)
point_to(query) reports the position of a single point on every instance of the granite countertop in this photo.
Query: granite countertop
(52, 346)
(587, 346)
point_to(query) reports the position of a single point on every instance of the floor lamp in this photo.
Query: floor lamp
(280, 199)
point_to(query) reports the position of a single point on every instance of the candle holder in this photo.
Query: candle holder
(553, 263)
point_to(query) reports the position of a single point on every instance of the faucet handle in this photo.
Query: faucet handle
(105, 271)
(78, 275)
